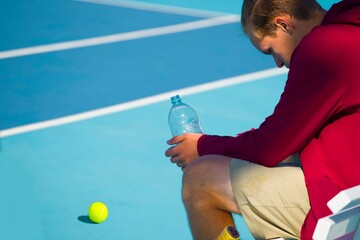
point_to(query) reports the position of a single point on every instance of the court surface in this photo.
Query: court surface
(84, 98)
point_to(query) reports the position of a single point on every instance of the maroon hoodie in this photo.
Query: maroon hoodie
(318, 114)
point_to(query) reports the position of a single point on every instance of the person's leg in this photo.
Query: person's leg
(208, 196)
(273, 201)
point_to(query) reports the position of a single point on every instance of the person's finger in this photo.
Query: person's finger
(175, 159)
(181, 164)
(170, 152)
(175, 140)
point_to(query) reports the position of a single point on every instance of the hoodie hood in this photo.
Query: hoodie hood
(344, 12)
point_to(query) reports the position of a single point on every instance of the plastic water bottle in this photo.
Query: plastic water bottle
(182, 118)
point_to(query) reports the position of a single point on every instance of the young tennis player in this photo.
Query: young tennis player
(318, 116)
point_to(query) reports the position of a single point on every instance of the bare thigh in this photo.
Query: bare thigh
(209, 177)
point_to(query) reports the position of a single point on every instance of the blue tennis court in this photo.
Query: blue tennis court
(85, 90)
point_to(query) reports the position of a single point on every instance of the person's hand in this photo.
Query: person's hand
(185, 149)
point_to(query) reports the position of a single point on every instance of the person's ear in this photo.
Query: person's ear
(284, 24)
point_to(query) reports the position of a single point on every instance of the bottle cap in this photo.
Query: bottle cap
(175, 99)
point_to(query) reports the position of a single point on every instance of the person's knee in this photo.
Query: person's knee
(206, 182)
(194, 182)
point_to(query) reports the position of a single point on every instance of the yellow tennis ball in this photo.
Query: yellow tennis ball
(98, 212)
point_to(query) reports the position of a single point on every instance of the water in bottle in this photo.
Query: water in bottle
(182, 118)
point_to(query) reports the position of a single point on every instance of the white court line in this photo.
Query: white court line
(145, 101)
(152, 32)
(154, 7)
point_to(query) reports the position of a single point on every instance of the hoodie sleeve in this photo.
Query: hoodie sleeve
(312, 95)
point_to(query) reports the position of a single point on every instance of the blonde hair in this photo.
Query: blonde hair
(258, 15)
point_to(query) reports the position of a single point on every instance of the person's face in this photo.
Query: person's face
(280, 46)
